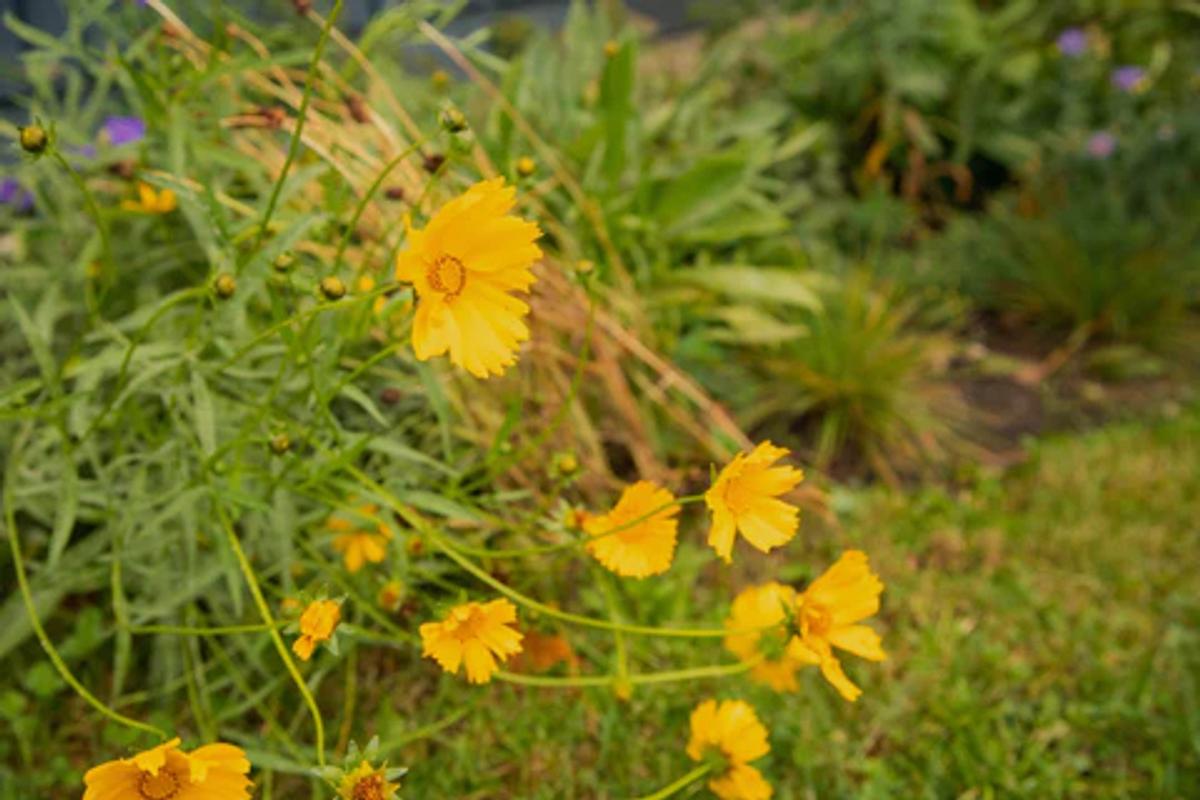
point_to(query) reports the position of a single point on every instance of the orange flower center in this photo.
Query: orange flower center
(466, 623)
(163, 785)
(446, 275)
(369, 788)
(815, 620)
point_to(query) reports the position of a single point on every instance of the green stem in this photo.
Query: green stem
(302, 114)
(14, 541)
(93, 208)
(682, 783)
(184, 630)
(366, 198)
(265, 612)
(667, 676)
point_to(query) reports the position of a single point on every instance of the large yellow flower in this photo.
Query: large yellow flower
(366, 782)
(766, 607)
(744, 498)
(317, 624)
(473, 634)
(213, 772)
(463, 266)
(731, 734)
(636, 538)
(826, 614)
(357, 544)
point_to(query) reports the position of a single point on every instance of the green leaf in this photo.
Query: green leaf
(763, 284)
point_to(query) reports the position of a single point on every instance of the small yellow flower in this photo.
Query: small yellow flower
(526, 166)
(762, 607)
(474, 634)
(365, 782)
(357, 544)
(731, 734)
(744, 498)
(150, 201)
(826, 614)
(317, 625)
(213, 772)
(463, 266)
(637, 538)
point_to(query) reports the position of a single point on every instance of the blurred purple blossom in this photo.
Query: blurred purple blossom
(12, 193)
(1128, 78)
(124, 130)
(1101, 144)
(1073, 42)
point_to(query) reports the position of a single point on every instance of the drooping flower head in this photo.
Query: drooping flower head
(317, 624)
(745, 498)
(767, 608)
(150, 201)
(212, 772)
(360, 539)
(464, 265)
(475, 635)
(826, 616)
(637, 537)
(1072, 42)
(1101, 145)
(731, 735)
(1129, 78)
(366, 782)
(124, 130)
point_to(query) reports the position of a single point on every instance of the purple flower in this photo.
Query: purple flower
(1073, 42)
(124, 130)
(1128, 78)
(1101, 144)
(12, 193)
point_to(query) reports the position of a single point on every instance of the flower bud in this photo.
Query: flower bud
(452, 120)
(440, 79)
(333, 288)
(225, 285)
(280, 444)
(34, 139)
(526, 166)
(283, 262)
(611, 48)
(433, 162)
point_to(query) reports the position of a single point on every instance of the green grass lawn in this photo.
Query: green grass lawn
(1044, 635)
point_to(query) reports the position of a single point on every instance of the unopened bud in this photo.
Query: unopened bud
(611, 48)
(433, 162)
(453, 120)
(225, 285)
(34, 139)
(526, 166)
(280, 444)
(283, 262)
(440, 79)
(333, 288)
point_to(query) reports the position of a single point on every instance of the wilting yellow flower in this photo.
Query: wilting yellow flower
(463, 266)
(357, 544)
(365, 782)
(731, 734)
(645, 523)
(826, 614)
(317, 625)
(744, 498)
(474, 634)
(150, 201)
(213, 772)
(763, 607)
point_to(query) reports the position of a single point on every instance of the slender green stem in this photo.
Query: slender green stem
(93, 208)
(667, 676)
(184, 630)
(302, 114)
(14, 541)
(366, 198)
(682, 783)
(265, 612)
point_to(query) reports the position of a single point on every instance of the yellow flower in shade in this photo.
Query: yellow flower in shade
(636, 538)
(357, 544)
(474, 634)
(763, 607)
(731, 736)
(826, 613)
(745, 498)
(150, 201)
(213, 772)
(463, 266)
(317, 625)
(365, 782)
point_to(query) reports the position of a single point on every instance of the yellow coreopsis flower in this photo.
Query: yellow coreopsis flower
(764, 607)
(366, 782)
(317, 624)
(637, 537)
(357, 544)
(731, 734)
(213, 772)
(463, 266)
(826, 613)
(474, 634)
(745, 498)
(150, 201)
